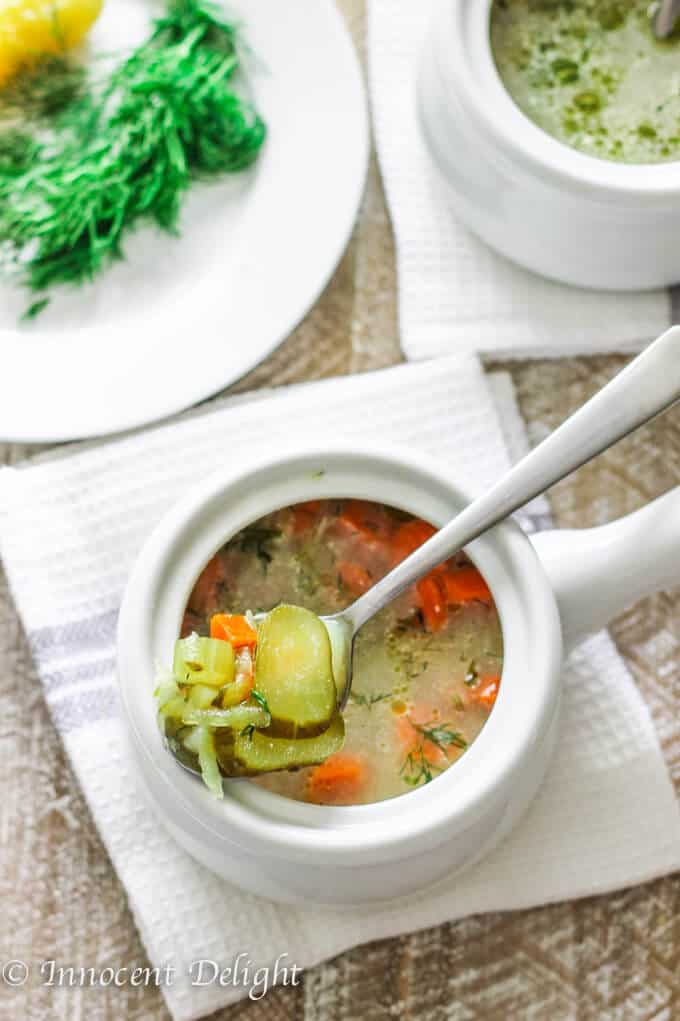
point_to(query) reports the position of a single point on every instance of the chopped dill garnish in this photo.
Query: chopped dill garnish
(368, 700)
(307, 577)
(36, 308)
(257, 539)
(93, 159)
(416, 768)
(440, 735)
(471, 676)
(260, 699)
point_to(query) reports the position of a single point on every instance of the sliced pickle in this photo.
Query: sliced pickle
(200, 660)
(202, 696)
(293, 671)
(236, 718)
(201, 742)
(173, 709)
(256, 752)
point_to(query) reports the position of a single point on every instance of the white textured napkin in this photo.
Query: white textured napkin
(606, 816)
(455, 294)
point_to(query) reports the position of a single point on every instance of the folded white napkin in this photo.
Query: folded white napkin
(455, 294)
(70, 528)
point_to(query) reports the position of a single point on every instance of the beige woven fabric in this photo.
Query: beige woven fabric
(615, 957)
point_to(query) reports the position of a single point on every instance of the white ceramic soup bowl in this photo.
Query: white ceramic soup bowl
(556, 211)
(291, 851)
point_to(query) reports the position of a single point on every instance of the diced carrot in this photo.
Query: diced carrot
(203, 596)
(340, 780)
(409, 536)
(233, 628)
(486, 692)
(432, 603)
(368, 519)
(306, 515)
(463, 584)
(354, 578)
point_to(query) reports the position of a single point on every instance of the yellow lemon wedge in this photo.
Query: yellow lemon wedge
(33, 29)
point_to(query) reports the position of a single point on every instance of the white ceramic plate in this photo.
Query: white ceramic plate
(180, 319)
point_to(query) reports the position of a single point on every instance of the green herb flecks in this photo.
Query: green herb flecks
(440, 735)
(471, 675)
(369, 700)
(260, 699)
(257, 539)
(416, 767)
(406, 649)
(35, 308)
(307, 577)
(124, 150)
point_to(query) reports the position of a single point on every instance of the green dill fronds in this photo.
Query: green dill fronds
(416, 768)
(125, 151)
(440, 735)
(260, 699)
(368, 700)
(35, 309)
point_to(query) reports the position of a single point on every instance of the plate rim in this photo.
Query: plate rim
(138, 420)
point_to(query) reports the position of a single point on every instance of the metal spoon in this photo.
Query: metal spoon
(647, 386)
(665, 17)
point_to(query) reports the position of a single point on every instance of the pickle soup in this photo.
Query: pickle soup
(427, 669)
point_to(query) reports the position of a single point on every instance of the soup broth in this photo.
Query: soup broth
(426, 670)
(591, 73)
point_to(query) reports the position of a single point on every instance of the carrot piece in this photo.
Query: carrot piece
(463, 584)
(203, 596)
(233, 628)
(354, 578)
(487, 691)
(409, 536)
(340, 780)
(306, 515)
(432, 603)
(368, 519)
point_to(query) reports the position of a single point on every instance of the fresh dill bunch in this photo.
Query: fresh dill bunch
(166, 116)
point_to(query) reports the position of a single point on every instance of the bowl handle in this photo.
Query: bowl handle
(598, 572)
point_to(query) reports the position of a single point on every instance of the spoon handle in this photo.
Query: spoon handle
(647, 386)
(663, 21)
